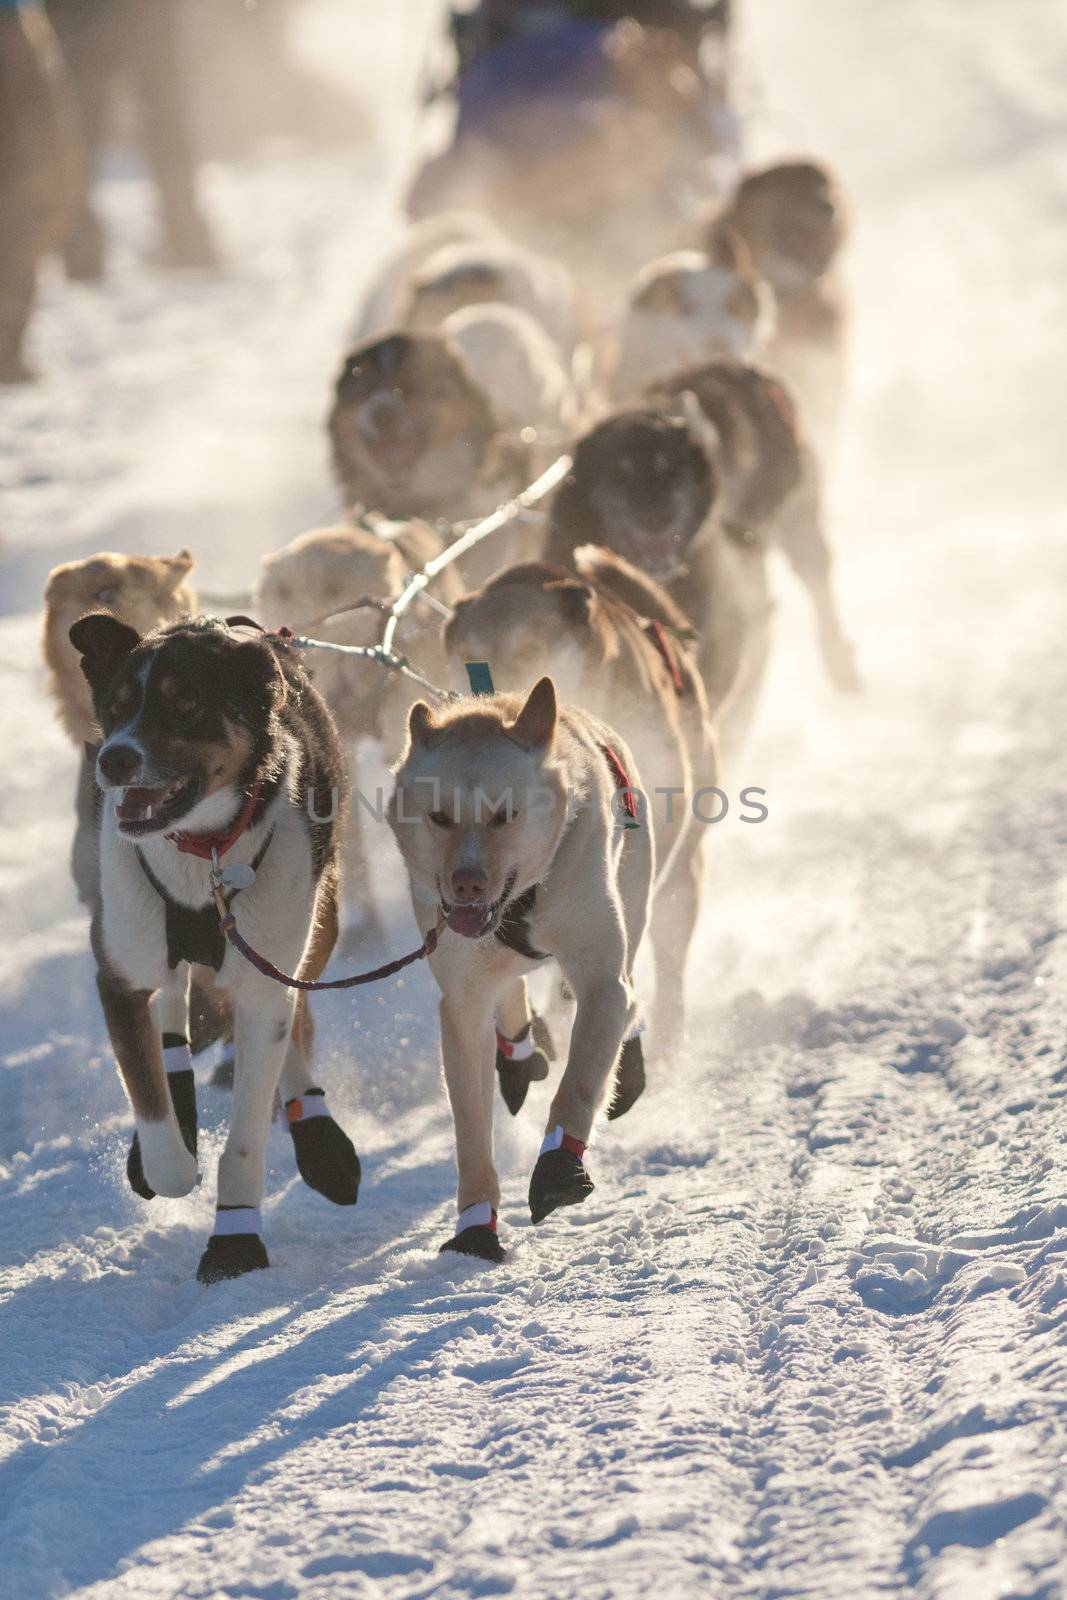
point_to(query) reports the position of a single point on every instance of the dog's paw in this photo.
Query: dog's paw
(629, 1080)
(325, 1156)
(182, 1087)
(231, 1255)
(839, 659)
(478, 1241)
(559, 1179)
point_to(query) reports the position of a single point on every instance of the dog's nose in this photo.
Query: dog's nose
(119, 763)
(469, 885)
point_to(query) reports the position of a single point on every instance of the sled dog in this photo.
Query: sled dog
(623, 658)
(510, 816)
(214, 743)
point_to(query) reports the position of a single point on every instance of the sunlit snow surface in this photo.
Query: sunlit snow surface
(807, 1337)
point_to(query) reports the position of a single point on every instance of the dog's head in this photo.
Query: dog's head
(689, 307)
(142, 591)
(754, 438)
(526, 618)
(409, 426)
(642, 484)
(793, 218)
(188, 715)
(480, 803)
(456, 276)
(322, 572)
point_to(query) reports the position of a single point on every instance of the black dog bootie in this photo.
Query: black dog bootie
(630, 1078)
(522, 1061)
(325, 1156)
(475, 1235)
(182, 1086)
(559, 1178)
(235, 1247)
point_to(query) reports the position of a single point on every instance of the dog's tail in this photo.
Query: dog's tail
(618, 577)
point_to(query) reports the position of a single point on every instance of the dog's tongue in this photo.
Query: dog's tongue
(137, 805)
(467, 920)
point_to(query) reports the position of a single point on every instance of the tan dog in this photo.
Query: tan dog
(507, 815)
(623, 659)
(143, 591)
(689, 307)
(324, 571)
(513, 359)
(793, 218)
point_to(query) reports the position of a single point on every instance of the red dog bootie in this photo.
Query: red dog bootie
(475, 1234)
(559, 1178)
(325, 1156)
(235, 1247)
(522, 1061)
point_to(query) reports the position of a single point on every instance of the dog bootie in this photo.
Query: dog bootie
(559, 1178)
(235, 1247)
(182, 1086)
(325, 1156)
(630, 1078)
(522, 1061)
(475, 1235)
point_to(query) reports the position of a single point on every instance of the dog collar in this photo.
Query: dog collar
(208, 846)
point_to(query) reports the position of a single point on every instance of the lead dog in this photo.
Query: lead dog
(216, 742)
(622, 659)
(509, 816)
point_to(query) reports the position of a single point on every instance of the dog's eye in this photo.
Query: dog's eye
(184, 707)
(106, 596)
(502, 816)
(441, 819)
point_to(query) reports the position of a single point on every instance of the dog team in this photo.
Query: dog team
(626, 628)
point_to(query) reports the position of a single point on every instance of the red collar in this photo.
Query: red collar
(205, 845)
(661, 639)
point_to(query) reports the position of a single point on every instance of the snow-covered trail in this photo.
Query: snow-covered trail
(807, 1338)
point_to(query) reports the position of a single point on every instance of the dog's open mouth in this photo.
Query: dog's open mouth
(144, 810)
(477, 920)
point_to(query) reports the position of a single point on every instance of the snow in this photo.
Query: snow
(807, 1337)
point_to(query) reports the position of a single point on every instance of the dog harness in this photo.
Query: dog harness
(513, 929)
(655, 630)
(193, 932)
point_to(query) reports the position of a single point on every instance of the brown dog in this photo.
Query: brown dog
(608, 655)
(643, 485)
(413, 435)
(771, 484)
(793, 218)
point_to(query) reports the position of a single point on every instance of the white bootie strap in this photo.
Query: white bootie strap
(302, 1107)
(238, 1219)
(177, 1057)
(556, 1139)
(479, 1216)
(520, 1049)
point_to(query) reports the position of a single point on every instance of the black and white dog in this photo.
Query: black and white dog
(214, 742)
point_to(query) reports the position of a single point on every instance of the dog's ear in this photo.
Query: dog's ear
(535, 724)
(576, 599)
(664, 293)
(176, 568)
(103, 642)
(728, 250)
(260, 674)
(701, 428)
(421, 723)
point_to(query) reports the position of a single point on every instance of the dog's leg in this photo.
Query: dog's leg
(521, 1039)
(674, 919)
(264, 1023)
(468, 1049)
(801, 532)
(172, 1017)
(166, 1163)
(325, 1156)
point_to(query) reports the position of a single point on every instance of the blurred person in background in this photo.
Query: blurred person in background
(130, 49)
(39, 168)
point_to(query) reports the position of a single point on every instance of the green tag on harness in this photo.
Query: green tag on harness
(481, 679)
